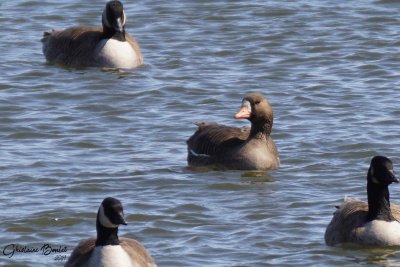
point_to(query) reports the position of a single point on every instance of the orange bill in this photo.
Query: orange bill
(243, 113)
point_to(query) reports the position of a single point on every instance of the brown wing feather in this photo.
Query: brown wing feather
(70, 47)
(137, 252)
(210, 138)
(348, 219)
(81, 254)
(131, 40)
(395, 211)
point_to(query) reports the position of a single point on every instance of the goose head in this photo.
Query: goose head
(111, 214)
(114, 20)
(381, 172)
(255, 107)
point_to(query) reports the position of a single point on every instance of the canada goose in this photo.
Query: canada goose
(85, 46)
(108, 250)
(372, 223)
(237, 148)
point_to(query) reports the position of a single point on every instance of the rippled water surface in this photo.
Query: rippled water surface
(70, 137)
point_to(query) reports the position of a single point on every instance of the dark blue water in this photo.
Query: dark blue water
(70, 138)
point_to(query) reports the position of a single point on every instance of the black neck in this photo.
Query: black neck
(261, 129)
(106, 236)
(378, 203)
(108, 32)
(111, 33)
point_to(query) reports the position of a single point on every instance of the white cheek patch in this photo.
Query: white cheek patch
(120, 24)
(123, 18)
(121, 21)
(374, 180)
(104, 220)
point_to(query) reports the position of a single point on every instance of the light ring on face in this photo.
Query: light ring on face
(104, 220)
(247, 105)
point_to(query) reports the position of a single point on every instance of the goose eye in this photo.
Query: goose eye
(256, 102)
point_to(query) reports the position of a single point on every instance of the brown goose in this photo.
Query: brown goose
(237, 148)
(375, 222)
(108, 250)
(84, 46)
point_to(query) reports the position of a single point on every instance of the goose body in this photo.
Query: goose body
(375, 222)
(85, 46)
(237, 148)
(108, 250)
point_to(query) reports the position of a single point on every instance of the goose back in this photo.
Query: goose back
(212, 138)
(74, 46)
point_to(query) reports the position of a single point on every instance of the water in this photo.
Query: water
(70, 138)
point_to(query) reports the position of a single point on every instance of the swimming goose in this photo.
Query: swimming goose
(237, 148)
(108, 250)
(85, 46)
(372, 223)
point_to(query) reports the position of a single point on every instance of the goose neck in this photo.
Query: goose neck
(106, 236)
(378, 203)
